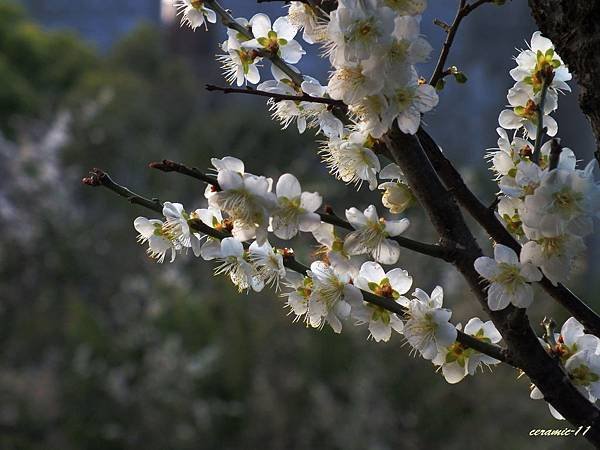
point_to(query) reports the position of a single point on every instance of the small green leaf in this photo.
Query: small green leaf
(460, 77)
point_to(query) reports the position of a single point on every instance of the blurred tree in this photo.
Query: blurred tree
(37, 68)
(102, 349)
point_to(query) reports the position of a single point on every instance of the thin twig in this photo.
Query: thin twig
(171, 166)
(463, 11)
(535, 157)
(555, 151)
(98, 177)
(433, 250)
(275, 96)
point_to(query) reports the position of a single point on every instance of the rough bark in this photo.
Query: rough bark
(574, 28)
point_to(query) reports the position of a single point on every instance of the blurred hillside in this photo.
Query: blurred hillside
(101, 348)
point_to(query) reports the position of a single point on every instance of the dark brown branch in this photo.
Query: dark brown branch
(98, 177)
(488, 220)
(555, 151)
(171, 166)
(277, 97)
(523, 345)
(435, 251)
(541, 130)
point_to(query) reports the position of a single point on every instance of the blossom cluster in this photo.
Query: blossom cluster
(243, 211)
(373, 47)
(539, 76)
(545, 201)
(579, 353)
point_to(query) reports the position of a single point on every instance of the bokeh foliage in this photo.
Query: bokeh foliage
(103, 349)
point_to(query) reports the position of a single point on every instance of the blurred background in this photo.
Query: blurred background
(101, 348)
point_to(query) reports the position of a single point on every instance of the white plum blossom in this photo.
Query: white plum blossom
(356, 28)
(397, 195)
(579, 353)
(268, 263)
(408, 100)
(536, 394)
(458, 361)
(553, 253)
(427, 329)
(408, 47)
(524, 112)
(320, 115)
(333, 249)
(566, 160)
(573, 338)
(295, 209)
(354, 81)
(351, 160)
(246, 199)
(565, 201)
(393, 285)
(508, 210)
(374, 114)
(532, 62)
(299, 295)
(239, 63)
(228, 163)
(159, 242)
(371, 235)
(303, 17)
(584, 372)
(331, 297)
(233, 262)
(527, 178)
(285, 111)
(211, 248)
(508, 154)
(277, 39)
(509, 279)
(583, 368)
(194, 13)
(176, 226)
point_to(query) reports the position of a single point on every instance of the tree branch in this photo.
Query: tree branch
(513, 324)
(433, 250)
(98, 177)
(277, 97)
(490, 223)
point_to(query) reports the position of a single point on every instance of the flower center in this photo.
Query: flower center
(404, 97)
(552, 245)
(567, 200)
(583, 376)
(399, 50)
(351, 75)
(361, 30)
(529, 111)
(509, 275)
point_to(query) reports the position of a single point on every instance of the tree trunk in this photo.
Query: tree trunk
(574, 28)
